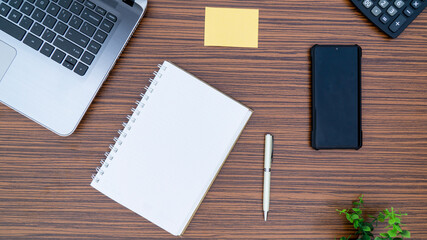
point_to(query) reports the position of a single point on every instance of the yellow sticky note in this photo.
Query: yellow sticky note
(231, 27)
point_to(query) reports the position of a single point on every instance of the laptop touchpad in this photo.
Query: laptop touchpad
(7, 55)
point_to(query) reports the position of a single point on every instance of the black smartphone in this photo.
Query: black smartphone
(336, 97)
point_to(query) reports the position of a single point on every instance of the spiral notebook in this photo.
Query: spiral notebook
(171, 149)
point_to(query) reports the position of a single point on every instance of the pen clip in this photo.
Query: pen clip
(272, 148)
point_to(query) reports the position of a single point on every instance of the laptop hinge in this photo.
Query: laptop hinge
(129, 2)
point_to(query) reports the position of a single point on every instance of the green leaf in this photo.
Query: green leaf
(381, 217)
(357, 210)
(354, 216)
(343, 238)
(397, 228)
(348, 216)
(366, 229)
(370, 225)
(397, 238)
(384, 235)
(406, 234)
(366, 237)
(386, 212)
(391, 221)
(392, 233)
(378, 238)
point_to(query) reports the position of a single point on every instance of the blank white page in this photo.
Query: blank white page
(172, 149)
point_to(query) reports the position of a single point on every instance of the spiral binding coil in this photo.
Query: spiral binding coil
(114, 148)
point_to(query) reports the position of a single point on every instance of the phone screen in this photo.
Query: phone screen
(336, 103)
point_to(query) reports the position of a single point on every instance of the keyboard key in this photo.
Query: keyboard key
(65, 3)
(94, 47)
(100, 36)
(31, 1)
(58, 56)
(71, 60)
(15, 3)
(15, 16)
(397, 23)
(111, 17)
(47, 49)
(399, 3)
(38, 15)
(392, 11)
(91, 17)
(11, 29)
(4, 9)
(106, 25)
(37, 29)
(88, 29)
(60, 28)
(367, 3)
(76, 8)
(81, 69)
(49, 21)
(100, 10)
(77, 38)
(376, 11)
(68, 47)
(68, 63)
(383, 3)
(64, 15)
(87, 58)
(416, 4)
(27, 8)
(33, 41)
(48, 35)
(90, 4)
(408, 11)
(42, 4)
(53, 9)
(26, 22)
(75, 22)
(384, 18)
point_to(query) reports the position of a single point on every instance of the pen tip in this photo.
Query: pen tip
(265, 216)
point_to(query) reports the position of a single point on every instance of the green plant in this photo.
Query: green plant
(364, 227)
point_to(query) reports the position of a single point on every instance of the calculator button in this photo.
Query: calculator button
(397, 23)
(416, 4)
(384, 18)
(392, 11)
(399, 3)
(408, 11)
(367, 3)
(376, 11)
(383, 3)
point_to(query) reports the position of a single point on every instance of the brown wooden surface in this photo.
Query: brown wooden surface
(44, 178)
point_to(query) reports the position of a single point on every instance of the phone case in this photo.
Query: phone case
(334, 121)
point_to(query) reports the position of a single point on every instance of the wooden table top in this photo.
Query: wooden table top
(44, 178)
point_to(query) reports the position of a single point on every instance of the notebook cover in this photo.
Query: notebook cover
(172, 148)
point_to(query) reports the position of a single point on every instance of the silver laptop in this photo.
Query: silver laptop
(55, 55)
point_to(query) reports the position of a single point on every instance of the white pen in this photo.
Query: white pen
(268, 154)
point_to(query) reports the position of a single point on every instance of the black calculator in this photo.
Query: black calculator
(391, 16)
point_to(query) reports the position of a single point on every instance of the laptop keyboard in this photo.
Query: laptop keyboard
(70, 32)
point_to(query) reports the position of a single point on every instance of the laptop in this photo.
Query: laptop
(55, 55)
